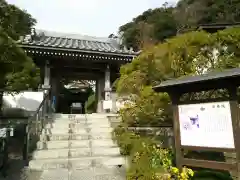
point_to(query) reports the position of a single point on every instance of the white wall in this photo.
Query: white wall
(27, 100)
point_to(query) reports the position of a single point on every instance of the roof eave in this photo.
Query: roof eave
(80, 51)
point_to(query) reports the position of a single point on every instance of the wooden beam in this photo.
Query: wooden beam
(209, 164)
(81, 76)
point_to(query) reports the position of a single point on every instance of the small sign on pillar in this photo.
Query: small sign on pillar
(107, 104)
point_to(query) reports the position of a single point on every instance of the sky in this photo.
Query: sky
(87, 17)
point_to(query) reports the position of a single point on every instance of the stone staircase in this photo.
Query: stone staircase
(78, 147)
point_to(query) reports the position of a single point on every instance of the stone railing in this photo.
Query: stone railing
(164, 133)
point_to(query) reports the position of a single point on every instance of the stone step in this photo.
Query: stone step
(103, 151)
(62, 137)
(62, 144)
(82, 131)
(96, 115)
(103, 143)
(90, 130)
(75, 163)
(93, 173)
(46, 154)
(101, 130)
(56, 131)
(76, 152)
(91, 125)
(68, 121)
(61, 153)
(58, 115)
(65, 137)
(100, 136)
(57, 125)
(97, 121)
(77, 129)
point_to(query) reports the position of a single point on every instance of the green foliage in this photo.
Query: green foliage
(124, 139)
(14, 21)
(146, 159)
(193, 12)
(157, 25)
(17, 72)
(186, 54)
(152, 26)
(149, 109)
(90, 105)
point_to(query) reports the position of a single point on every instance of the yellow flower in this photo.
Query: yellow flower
(190, 172)
(175, 170)
(183, 175)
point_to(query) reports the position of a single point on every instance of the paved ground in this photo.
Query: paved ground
(87, 174)
(18, 172)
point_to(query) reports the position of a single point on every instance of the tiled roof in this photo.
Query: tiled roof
(199, 81)
(81, 43)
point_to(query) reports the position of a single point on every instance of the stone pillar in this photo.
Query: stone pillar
(55, 91)
(107, 83)
(46, 86)
(99, 97)
(114, 102)
(107, 88)
(46, 82)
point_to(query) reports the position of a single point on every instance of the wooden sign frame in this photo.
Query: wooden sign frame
(228, 80)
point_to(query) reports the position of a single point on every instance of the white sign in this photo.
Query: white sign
(206, 125)
(107, 104)
(3, 132)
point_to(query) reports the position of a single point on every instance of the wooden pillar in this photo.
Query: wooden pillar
(232, 90)
(176, 129)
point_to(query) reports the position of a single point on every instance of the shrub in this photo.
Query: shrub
(146, 159)
(90, 105)
(124, 139)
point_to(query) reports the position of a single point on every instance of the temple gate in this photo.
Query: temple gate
(76, 57)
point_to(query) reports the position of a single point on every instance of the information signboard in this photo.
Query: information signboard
(206, 125)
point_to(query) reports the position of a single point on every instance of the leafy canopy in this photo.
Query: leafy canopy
(152, 26)
(156, 25)
(17, 70)
(186, 54)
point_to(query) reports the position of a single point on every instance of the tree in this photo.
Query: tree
(18, 72)
(154, 25)
(157, 25)
(14, 21)
(186, 54)
(191, 13)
